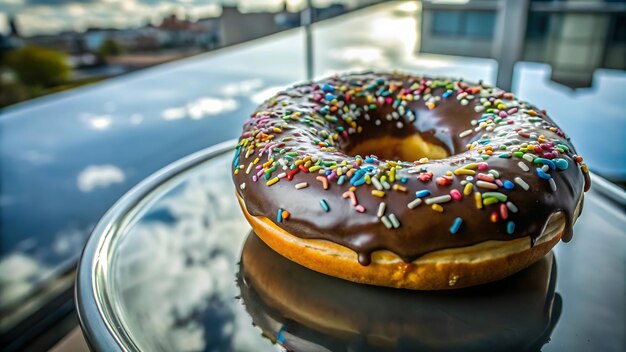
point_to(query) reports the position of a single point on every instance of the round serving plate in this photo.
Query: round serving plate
(161, 272)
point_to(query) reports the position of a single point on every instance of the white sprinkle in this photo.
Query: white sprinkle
(302, 185)
(242, 186)
(386, 222)
(545, 168)
(414, 203)
(249, 169)
(377, 122)
(512, 207)
(494, 173)
(385, 185)
(381, 209)
(479, 108)
(552, 184)
(376, 183)
(399, 124)
(394, 221)
(487, 185)
(522, 183)
(465, 133)
(436, 200)
(529, 156)
(523, 166)
(282, 175)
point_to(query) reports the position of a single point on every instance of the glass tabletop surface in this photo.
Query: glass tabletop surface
(167, 269)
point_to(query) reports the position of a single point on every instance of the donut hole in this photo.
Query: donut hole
(409, 148)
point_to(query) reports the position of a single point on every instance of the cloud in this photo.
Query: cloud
(200, 108)
(99, 176)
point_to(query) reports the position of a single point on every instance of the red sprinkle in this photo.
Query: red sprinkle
(425, 177)
(455, 194)
(504, 213)
(483, 166)
(444, 180)
(291, 173)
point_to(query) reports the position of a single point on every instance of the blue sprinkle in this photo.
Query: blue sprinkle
(369, 160)
(447, 94)
(510, 227)
(508, 184)
(359, 182)
(404, 180)
(327, 88)
(484, 141)
(423, 193)
(328, 172)
(279, 216)
(341, 180)
(329, 97)
(548, 162)
(562, 164)
(456, 225)
(279, 337)
(324, 205)
(324, 110)
(542, 174)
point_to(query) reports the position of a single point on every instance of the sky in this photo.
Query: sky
(52, 16)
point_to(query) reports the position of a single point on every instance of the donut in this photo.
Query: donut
(303, 310)
(400, 180)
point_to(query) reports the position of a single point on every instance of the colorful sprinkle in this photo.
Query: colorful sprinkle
(324, 205)
(394, 221)
(422, 193)
(414, 203)
(456, 225)
(381, 209)
(438, 208)
(438, 200)
(522, 183)
(510, 227)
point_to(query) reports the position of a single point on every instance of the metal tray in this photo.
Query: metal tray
(160, 273)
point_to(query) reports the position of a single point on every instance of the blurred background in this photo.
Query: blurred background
(97, 95)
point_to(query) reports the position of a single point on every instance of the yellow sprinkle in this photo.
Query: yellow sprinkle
(307, 164)
(448, 173)
(468, 189)
(462, 171)
(352, 189)
(479, 200)
(489, 201)
(378, 193)
(314, 168)
(399, 188)
(423, 160)
(368, 179)
(392, 175)
(277, 130)
(268, 163)
(236, 171)
(256, 161)
(438, 208)
(272, 181)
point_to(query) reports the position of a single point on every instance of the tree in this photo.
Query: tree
(39, 67)
(108, 48)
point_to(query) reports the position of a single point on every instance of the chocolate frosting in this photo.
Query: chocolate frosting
(482, 128)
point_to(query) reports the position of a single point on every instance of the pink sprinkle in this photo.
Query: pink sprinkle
(254, 178)
(483, 166)
(331, 176)
(455, 194)
(388, 100)
(258, 167)
(360, 208)
(512, 111)
(499, 183)
(485, 177)
(504, 212)
(344, 134)
(503, 114)
(258, 174)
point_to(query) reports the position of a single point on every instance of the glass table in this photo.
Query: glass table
(163, 270)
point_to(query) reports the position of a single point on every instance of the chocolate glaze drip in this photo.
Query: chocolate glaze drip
(422, 230)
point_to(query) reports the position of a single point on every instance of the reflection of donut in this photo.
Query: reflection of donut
(505, 189)
(306, 311)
